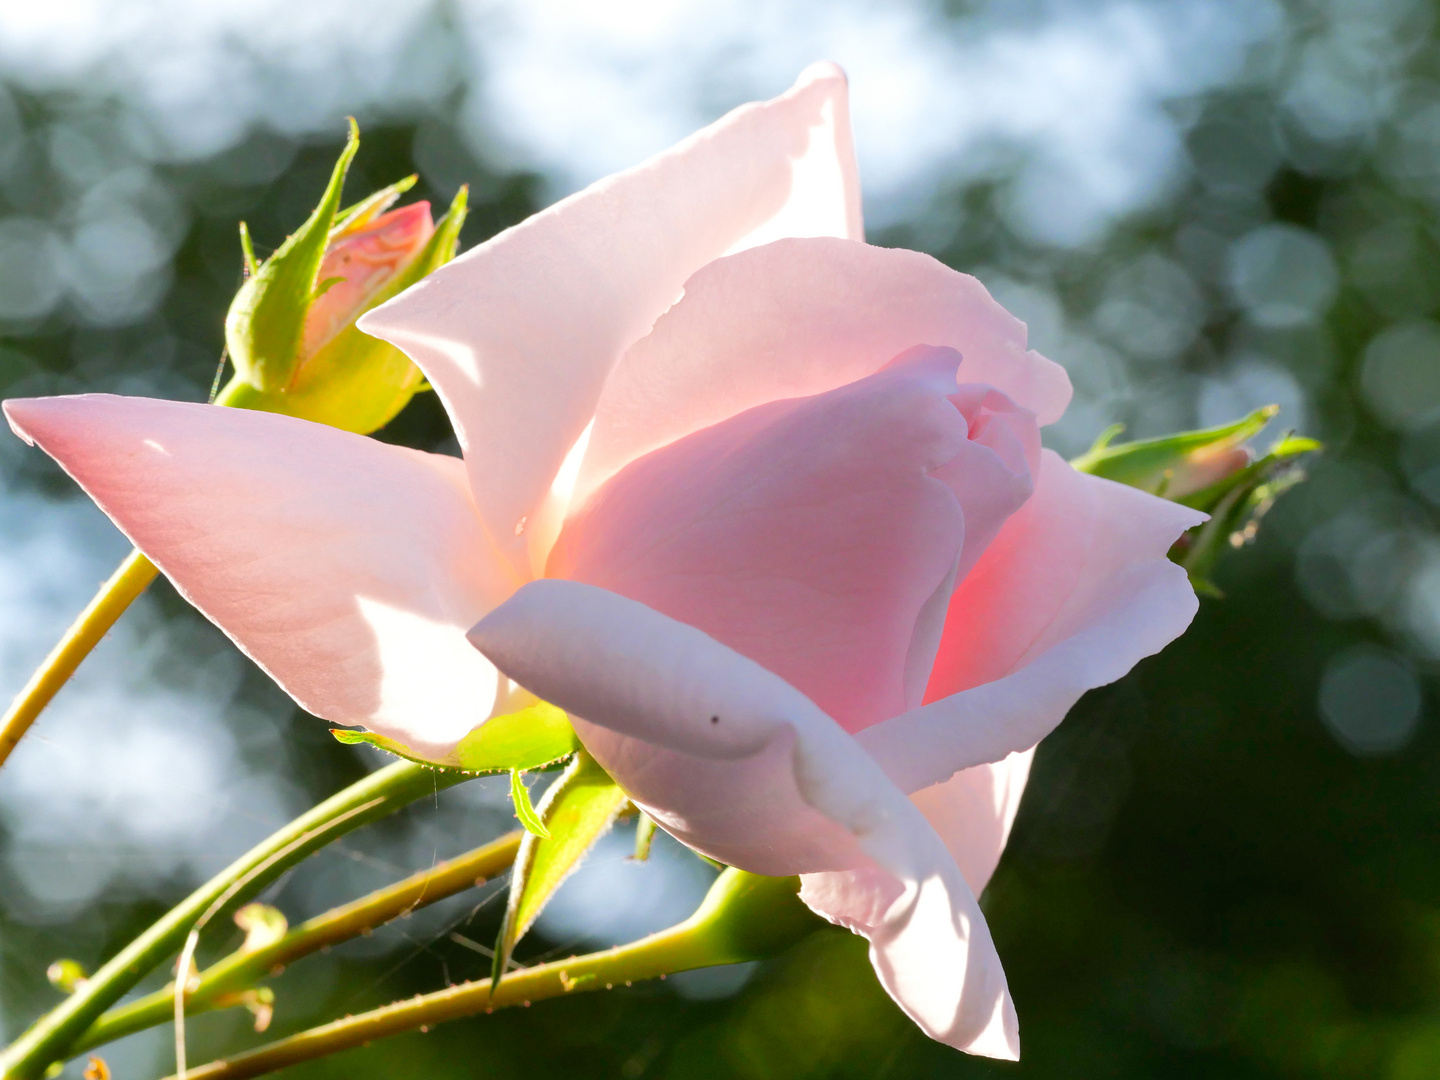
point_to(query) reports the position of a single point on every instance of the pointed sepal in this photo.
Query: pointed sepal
(1173, 466)
(577, 810)
(266, 322)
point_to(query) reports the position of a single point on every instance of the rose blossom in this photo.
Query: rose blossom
(797, 565)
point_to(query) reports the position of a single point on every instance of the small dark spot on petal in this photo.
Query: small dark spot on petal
(714, 719)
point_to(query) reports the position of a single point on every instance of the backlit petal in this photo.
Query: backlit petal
(519, 334)
(739, 764)
(801, 317)
(812, 535)
(347, 569)
(1073, 592)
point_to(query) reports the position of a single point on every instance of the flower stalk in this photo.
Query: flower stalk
(743, 917)
(217, 985)
(380, 793)
(118, 593)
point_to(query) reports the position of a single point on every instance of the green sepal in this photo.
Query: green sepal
(1235, 505)
(1148, 464)
(644, 836)
(357, 382)
(531, 738)
(524, 808)
(66, 975)
(577, 810)
(266, 321)
(534, 737)
(358, 215)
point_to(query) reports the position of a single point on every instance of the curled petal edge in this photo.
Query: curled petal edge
(619, 665)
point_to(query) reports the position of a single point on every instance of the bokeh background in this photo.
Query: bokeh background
(1227, 865)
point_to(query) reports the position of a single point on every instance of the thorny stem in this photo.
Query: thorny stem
(378, 794)
(215, 986)
(744, 917)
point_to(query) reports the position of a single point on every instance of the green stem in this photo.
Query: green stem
(117, 594)
(240, 970)
(744, 917)
(128, 581)
(380, 793)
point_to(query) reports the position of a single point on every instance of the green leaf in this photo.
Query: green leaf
(531, 738)
(577, 811)
(524, 808)
(356, 382)
(264, 327)
(1148, 463)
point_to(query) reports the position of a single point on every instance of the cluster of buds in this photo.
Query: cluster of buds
(291, 328)
(1213, 470)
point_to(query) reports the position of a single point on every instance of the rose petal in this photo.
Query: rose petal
(518, 334)
(817, 536)
(796, 318)
(348, 569)
(1073, 592)
(741, 765)
(973, 812)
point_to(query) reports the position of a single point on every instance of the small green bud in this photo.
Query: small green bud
(1236, 503)
(66, 975)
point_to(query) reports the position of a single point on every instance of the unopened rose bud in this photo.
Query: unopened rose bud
(1176, 466)
(1213, 470)
(291, 330)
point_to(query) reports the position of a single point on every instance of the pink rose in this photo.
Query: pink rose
(763, 507)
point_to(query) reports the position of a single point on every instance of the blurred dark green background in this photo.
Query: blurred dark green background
(1227, 865)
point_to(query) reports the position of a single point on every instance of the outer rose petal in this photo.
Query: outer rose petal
(348, 569)
(738, 763)
(796, 318)
(812, 535)
(1074, 591)
(973, 812)
(519, 334)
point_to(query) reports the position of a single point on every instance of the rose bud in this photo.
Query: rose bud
(291, 328)
(1213, 470)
